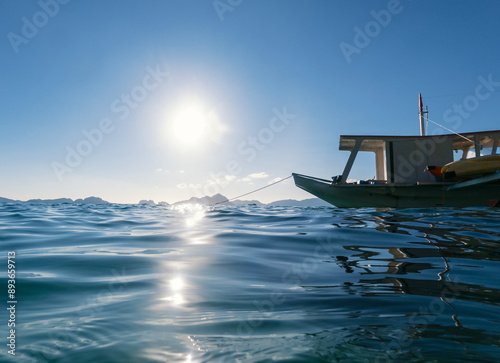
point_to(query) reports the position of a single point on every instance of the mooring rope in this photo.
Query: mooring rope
(456, 133)
(256, 190)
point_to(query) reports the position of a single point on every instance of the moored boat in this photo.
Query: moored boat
(402, 177)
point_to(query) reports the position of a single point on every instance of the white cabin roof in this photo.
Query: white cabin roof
(464, 141)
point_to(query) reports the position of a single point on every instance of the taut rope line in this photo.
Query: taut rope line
(456, 133)
(256, 190)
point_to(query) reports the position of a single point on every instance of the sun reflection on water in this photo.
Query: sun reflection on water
(176, 286)
(193, 213)
(198, 241)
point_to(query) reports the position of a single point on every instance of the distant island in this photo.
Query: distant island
(217, 199)
(89, 200)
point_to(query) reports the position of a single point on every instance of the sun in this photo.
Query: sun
(190, 124)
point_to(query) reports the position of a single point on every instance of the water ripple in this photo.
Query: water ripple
(106, 283)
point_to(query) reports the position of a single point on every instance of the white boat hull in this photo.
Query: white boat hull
(398, 196)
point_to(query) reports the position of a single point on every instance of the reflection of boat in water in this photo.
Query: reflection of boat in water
(406, 263)
(402, 180)
(425, 278)
(402, 269)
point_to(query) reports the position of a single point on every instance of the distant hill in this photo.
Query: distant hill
(152, 202)
(89, 200)
(213, 200)
(218, 198)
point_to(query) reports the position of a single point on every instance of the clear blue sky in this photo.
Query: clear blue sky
(87, 65)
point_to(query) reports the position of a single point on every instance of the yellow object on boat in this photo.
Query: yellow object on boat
(472, 167)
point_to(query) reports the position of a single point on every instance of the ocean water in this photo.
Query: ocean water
(129, 283)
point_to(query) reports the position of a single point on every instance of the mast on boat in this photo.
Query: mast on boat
(421, 113)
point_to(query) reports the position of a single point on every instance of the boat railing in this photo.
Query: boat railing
(312, 177)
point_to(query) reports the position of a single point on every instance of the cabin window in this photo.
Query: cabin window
(471, 154)
(486, 151)
(457, 155)
(363, 167)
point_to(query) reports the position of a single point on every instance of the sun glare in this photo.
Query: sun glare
(190, 124)
(176, 284)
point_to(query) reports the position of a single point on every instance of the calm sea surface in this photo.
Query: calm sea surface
(128, 283)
